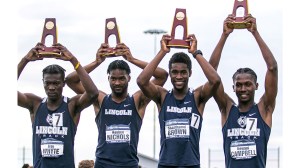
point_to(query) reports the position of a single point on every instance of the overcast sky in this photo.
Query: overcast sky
(81, 29)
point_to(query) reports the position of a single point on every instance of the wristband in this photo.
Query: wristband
(197, 52)
(77, 65)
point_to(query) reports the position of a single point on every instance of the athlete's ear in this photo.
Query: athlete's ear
(256, 86)
(190, 73)
(233, 88)
(129, 77)
(64, 82)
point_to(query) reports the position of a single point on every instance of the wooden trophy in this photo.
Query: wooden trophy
(240, 10)
(180, 19)
(49, 29)
(111, 28)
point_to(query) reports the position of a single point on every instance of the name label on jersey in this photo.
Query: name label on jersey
(177, 128)
(118, 134)
(242, 132)
(52, 148)
(117, 112)
(51, 130)
(179, 110)
(243, 149)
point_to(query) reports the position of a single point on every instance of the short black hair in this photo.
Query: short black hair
(54, 69)
(25, 165)
(245, 70)
(118, 64)
(180, 57)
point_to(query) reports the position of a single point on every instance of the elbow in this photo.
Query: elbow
(94, 95)
(273, 67)
(165, 76)
(216, 82)
(141, 81)
(69, 81)
(93, 92)
(162, 79)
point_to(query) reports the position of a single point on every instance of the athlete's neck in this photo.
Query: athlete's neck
(54, 104)
(179, 94)
(245, 106)
(118, 98)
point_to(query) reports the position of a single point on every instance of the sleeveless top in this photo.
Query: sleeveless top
(118, 125)
(245, 139)
(180, 127)
(53, 137)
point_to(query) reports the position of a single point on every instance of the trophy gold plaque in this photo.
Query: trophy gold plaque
(180, 19)
(49, 29)
(240, 10)
(111, 28)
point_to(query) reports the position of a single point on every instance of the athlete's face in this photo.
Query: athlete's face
(53, 85)
(118, 81)
(179, 74)
(244, 87)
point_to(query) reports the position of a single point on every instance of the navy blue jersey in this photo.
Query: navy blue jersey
(53, 137)
(245, 139)
(118, 125)
(180, 127)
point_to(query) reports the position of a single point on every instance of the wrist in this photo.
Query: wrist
(25, 60)
(74, 61)
(130, 59)
(197, 52)
(225, 34)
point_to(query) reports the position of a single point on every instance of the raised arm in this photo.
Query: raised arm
(216, 54)
(32, 55)
(204, 92)
(91, 92)
(160, 75)
(73, 80)
(268, 100)
(29, 100)
(222, 99)
(150, 89)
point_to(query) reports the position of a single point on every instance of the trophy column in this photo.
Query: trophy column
(111, 28)
(179, 19)
(240, 10)
(49, 29)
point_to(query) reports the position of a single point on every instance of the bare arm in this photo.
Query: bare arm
(73, 80)
(222, 99)
(268, 100)
(160, 75)
(91, 91)
(205, 92)
(149, 88)
(29, 100)
(32, 55)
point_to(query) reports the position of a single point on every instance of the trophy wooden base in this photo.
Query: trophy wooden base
(239, 25)
(111, 53)
(49, 53)
(178, 44)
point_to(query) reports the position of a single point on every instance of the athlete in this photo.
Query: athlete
(119, 115)
(55, 118)
(246, 126)
(181, 108)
